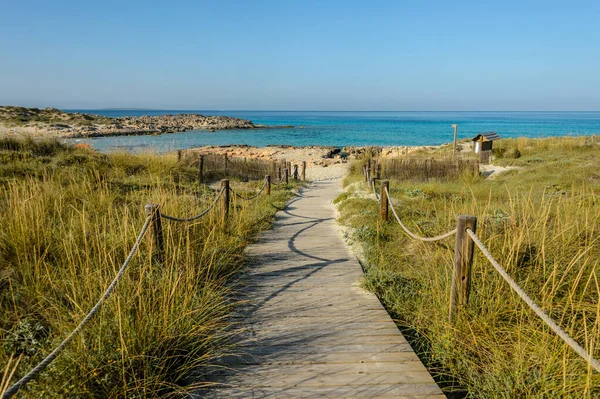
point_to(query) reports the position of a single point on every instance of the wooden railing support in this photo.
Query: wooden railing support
(225, 200)
(153, 211)
(383, 200)
(463, 262)
(201, 170)
(303, 170)
(286, 175)
(268, 185)
(295, 172)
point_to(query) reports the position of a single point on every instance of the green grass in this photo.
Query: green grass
(541, 222)
(69, 218)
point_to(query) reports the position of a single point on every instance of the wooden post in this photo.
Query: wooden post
(289, 167)
(286, 176)
(303, 170)
(153, 211)
(225, 201)
(268, 186)
(279, 173)
(455, 135)
(463, 261)
(365, 171)
(295, 172)
(201, 170)
(383, 200)
(368, 175)
(178, 155)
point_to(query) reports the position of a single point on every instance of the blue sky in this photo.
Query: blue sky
(302, 55)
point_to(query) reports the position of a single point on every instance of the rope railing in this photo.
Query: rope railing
(33, 373)
(541, 314)
(153, 219)
(374, 190)
(410, 233)
(198, 216)
(252, 196)
(466, 239)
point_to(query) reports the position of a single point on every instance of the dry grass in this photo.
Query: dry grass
(70, 216)
(541, 221)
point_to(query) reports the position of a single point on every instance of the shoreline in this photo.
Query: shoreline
(54, 123)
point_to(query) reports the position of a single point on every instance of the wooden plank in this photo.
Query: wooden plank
(305, 329)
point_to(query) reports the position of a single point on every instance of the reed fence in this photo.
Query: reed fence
(421, 169)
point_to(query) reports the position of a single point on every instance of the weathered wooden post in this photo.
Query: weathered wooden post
(295, 172)
(383, 200)
(286, 176)
(268, 185)
(463, 262)
(289, 167)
(153, 211)
(201, 169)
(303, 170)
(178, 155)
(225, 200)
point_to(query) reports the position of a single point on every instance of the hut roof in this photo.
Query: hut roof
(487, 136)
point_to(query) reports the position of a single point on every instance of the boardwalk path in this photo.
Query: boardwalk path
(309, 330)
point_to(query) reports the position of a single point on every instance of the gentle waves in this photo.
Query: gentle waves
(354, 128)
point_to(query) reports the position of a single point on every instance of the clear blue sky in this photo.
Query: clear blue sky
(302, 55)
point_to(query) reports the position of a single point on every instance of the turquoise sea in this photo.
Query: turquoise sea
(334, 128)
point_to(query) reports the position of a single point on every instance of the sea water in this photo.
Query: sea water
(353, 128)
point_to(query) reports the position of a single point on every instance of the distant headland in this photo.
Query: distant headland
(54, 122)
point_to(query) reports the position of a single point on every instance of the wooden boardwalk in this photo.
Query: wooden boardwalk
(307, 329)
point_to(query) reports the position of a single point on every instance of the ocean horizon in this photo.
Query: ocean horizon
(353, 128)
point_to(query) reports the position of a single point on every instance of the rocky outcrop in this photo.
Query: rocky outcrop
(75, 125)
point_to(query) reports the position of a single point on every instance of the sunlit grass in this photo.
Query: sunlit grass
(541, 222)
(69, 218)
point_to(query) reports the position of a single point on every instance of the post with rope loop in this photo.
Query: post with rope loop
(153, 211)
(295, 172)
(225, 200)
(201, 170)
(268, 185)
(383, 200)
(286, 175)
(303, 170)
(463, 262)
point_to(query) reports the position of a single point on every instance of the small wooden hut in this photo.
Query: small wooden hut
(483, 141)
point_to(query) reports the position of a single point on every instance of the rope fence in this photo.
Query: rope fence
(153, 223)
(466, 240)
(41, 366)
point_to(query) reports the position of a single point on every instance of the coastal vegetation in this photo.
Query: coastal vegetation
(540, 220)
(51, 122)
(69, 218)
